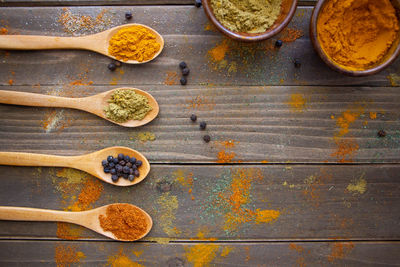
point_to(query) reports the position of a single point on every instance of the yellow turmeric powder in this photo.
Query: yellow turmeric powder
(134, 43)
(357, 33)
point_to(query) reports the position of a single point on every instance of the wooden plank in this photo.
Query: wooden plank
(186, 39)
(260, 120)
(15, 253)
(225, 202)
(108, 2)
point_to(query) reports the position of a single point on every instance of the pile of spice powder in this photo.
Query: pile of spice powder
(357, 33)
(125, 105)
(251, 16)
(134, 43)
(125, 221)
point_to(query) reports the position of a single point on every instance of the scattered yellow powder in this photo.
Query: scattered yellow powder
(372, 115)
(146, 136)
(225, 252)
(266, 216)
(358, 186)
(201, 255)
(121, 260)
(297, 102)
(167, 207)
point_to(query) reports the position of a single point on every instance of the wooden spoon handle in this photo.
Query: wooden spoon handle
(34, 42)
(38, 100)
(31, 214)
(30, 159)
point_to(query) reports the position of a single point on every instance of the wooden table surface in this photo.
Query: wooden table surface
(295, 173)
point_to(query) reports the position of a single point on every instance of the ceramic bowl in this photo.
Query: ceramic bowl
(390, 56)
(287, 11)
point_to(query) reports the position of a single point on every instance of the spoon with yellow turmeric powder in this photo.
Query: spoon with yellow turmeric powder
(128, 107)
(129, 43)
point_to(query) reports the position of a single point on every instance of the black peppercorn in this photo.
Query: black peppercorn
(206, 138)
(203, 125)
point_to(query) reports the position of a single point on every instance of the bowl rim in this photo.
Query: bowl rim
(318, 48)
(258, 37)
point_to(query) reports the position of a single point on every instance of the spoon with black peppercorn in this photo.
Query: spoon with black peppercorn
(98, 42)
(94, 104)
(90, 163)
(89, 218)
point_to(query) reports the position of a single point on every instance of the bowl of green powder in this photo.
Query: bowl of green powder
(250, 20)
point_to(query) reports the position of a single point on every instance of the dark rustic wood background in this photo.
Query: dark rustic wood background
(245, 99)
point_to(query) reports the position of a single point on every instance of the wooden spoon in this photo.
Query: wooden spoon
(90, 163)
(94, 104)
(95, 42)
(88, 219)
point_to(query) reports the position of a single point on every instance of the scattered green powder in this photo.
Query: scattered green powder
(125, 105)
(251, 16)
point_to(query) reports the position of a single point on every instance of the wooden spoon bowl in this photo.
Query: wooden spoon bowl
(390, 56)
(288, 8)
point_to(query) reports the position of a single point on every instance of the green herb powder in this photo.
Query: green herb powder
(251, 16)
(125, 105)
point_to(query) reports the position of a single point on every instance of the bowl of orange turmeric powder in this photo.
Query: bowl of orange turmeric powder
(356, 37)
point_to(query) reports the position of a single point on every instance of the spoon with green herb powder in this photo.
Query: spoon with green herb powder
(129, 107)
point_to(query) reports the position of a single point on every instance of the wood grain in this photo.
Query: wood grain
(185, 39)
(13, 253)
(107, 2)
(314, 201)
(259, 119)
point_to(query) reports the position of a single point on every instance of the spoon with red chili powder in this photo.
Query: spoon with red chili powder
(120, 221)
(90, 163)
(94, 104)
(98, 42)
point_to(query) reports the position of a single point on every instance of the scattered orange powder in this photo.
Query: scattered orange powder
(90, 193)
(340, 250)
(297, 102)
(3, 31)
(238, 196)
(185, 179)
(68, 231)
(289, 35)
(227, 143)
(345, 149)
(218, 52)
(67, 255)
(121, 260)
(171, 78)
(201, 103)
(372, 115)
(10, 81)
(298, 248)
(225, 252)
(348, 117)
(223, 157)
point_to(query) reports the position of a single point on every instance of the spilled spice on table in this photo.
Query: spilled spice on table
(231, 199)
(77, 24)
(65, 255)
(167, 206)
(144, 137)
(297, 102)
(358, 186)
(300, 261)
(171, 78)
(339, 250)
(3, 31)
(314, 186)
(224, 157)
(200, 103)
(121, 260)
(203, 254)
(185, 179)
(346, 148)
(79, 191)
